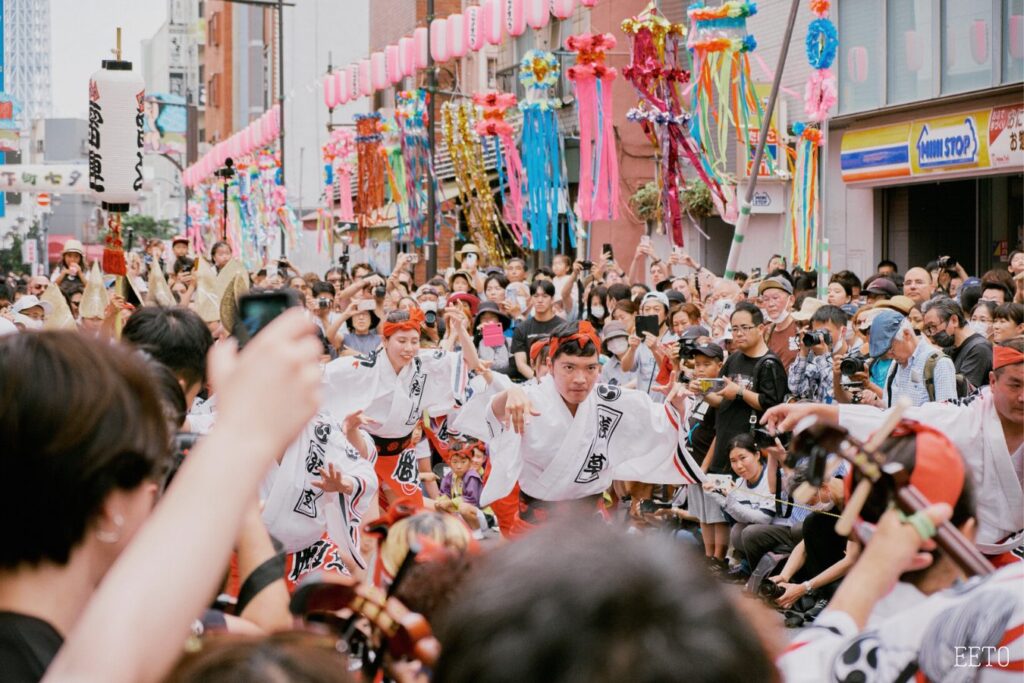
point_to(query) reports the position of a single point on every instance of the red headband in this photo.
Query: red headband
(411, 325)
(584, 333)
(538, 347)
(1004, 355)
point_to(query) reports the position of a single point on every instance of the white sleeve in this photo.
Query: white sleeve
(809, 656)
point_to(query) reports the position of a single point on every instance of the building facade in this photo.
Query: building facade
(926, 154)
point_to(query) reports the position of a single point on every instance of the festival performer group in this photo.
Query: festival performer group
(217, 467)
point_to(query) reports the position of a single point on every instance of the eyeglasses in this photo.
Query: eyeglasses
(743, 328)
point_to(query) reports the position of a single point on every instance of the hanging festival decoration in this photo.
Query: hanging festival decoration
(722, 94)
(492, 125)
(116, 96)
(439, 40)
(543, 150)
(476, 200)
(412, 120)
(371, 178)
(515, 17)
(820, 95)
(336, 154)
(599, 166)
(393, 64)
(563, 9)
(475, 39)
(492, 20)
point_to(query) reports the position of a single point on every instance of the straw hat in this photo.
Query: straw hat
(95, 298)
(229, 302)
(207, 297)
(159, 290)
(60, 318)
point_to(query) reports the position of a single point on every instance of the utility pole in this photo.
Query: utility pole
(431, 144)
(280, 100)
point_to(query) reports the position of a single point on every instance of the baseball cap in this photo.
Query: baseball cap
(694, 331)
(710, 350)
(31, 301)
(656, 296)
(882, 286)
(775, 283)
(613, 329)
(675, 297)
(884, 327)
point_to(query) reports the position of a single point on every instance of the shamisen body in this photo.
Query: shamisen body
(567, 437)
(393, 386)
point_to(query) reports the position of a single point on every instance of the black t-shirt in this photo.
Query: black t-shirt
(529, 331)
(701, 430)
(27, 647)
(734, 416)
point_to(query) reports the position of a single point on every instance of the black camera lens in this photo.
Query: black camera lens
(430, 318)
(851, 365)
(813, 337)
(379, 291)
(769, 590)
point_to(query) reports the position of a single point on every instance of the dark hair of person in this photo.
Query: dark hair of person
(983, 303)
(741, 278)
(998, 275)
(71, 287)
(969, 297)
(805, 283)
(172, 397)
(744, 441)
(1011, 311)
(545, 287)
(543, 271)
(183, 263)
(886, 262)
(571, 348)
(1017, 344)
(300, 656)
(497, 277)
(429, 588)
(361, 266)
(177, 337)
(628, 305)
(691, 310)
(779, 272)
(335, 270)
(321, 287)
(845, 284)
(619, 291)
(641, 286)
(993, 284)
(946, 308)
(830, 314)
(216, 246)
(756, 316)
(601, 292)
(649, 614)
(849, 279)
(515, 259)
(104, 430)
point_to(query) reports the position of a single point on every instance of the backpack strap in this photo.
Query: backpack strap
(929, 373)
(890, 378)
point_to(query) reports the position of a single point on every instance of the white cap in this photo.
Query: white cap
(31, 301)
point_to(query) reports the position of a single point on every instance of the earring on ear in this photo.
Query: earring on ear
(111, 536)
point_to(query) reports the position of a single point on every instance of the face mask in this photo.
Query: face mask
(943, 339)
(981, 328)
(31, 324)
(618, 345)
(597, 311)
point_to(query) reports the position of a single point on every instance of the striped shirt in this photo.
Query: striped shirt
(909, 381)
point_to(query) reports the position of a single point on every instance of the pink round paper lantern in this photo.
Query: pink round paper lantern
(588, 3)
(355, 86)
(407, 56)
(439, 40)
(474, 29)
(330, 91)
(563, 9)
(341, 85)
(394, 66)
(537, 15)
(421, 37)
(493, 21)
(456, 35)
(378, 71)
(515, 17)
(366, 77)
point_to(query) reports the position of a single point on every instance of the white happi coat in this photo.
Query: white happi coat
(616, 434)
(296, 512)
(975, 429)
(434, 381)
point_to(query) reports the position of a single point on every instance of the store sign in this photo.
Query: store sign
(769, 198)
(954, 145)
(974, 140)
(50, 178)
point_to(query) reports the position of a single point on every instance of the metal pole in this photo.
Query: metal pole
(280, 100)
(431, 143)
(748, 197)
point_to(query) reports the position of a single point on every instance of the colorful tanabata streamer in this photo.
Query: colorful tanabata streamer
(722, 94)
(458, 121)
(656, 74)
(372, 172)
(543, 151)
(412, 120)
(336, 154)
(599, 165)
(492, 124)
(820, 95)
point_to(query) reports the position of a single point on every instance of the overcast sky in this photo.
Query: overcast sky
(82, 34)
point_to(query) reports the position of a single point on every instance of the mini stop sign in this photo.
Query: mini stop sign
(43, 199)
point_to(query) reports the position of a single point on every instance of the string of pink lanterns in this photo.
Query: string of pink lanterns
(447, 38)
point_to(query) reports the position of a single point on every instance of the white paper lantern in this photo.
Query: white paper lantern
(115, 135)
(330, 91)
(341, 84)
(537, 15)
(515, 17)
(456, 35)
(378, 71)
(439, 40)
(354, 85)
(492, 20)
(422, 38)
(407, 55)
(563, 9)
(474, 29)
(393, 61)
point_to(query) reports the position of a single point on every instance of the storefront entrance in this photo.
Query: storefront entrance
(977, 221)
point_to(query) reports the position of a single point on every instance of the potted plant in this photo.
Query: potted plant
(697, 199)
(646, 203)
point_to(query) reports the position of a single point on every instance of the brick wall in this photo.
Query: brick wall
(218, 56)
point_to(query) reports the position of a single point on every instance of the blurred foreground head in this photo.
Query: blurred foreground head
(578, 600)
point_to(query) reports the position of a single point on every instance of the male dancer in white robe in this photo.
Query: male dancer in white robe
(567, 438)
(987, 428)
(393, 386)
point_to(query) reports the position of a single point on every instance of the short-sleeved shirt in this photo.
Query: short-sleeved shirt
(909, 380)
(530, 330)
(734, 416)
(784, 342)
(973, 360)
(27, 647)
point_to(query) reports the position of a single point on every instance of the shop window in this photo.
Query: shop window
(909, 38)
(968, 37)
(861, 55)
(1013, 41)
